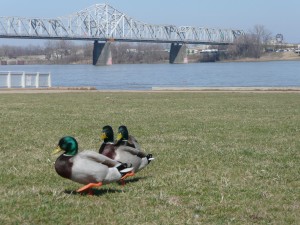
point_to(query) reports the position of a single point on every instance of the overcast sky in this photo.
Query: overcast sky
(278, 16)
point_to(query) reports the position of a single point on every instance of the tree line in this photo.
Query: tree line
(65, 52)
(251, 45)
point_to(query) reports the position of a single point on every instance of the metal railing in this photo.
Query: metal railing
(21, 79)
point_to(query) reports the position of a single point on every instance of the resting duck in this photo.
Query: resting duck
(122, 152)
(87, 167)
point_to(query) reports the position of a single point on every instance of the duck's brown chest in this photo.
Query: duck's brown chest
(63, 166)
(109, 151)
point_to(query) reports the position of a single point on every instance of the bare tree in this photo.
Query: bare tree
(17, 51)
(251, 44)
(65, 52)
(261, 36)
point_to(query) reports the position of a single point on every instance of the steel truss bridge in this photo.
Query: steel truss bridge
(102, 22)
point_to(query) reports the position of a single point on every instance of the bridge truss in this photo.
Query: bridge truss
(102, 22)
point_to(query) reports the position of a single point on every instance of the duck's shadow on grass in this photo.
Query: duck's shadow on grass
(103, 191)
(96, 192)
(132, 180)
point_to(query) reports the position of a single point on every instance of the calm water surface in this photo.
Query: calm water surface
(146, 76)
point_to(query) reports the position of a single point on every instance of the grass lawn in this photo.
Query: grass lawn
(220, 158)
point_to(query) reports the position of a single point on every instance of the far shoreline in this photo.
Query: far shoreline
(266, 57)
(285, 56)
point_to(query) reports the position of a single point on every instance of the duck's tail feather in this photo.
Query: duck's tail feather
(149, 158)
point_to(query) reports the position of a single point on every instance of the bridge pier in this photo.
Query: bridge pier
(102, 54)
(178, 53)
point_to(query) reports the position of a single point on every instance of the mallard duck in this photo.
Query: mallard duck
(87, 167)
(124, 138)
(107, 147)
(122, 152)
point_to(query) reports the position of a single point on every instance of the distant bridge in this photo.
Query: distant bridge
(103, 23)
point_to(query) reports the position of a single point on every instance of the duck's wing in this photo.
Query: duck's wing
(133, 156)
(132, 151)
(96, 157)
(134, 142)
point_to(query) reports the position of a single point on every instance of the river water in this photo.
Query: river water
(146, 76)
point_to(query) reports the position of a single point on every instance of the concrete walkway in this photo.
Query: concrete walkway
(154, 89)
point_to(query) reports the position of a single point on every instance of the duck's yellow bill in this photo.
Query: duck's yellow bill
(57, 150)
(103, 136)
(120, 136)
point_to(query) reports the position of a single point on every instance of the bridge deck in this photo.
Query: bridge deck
(103, 23)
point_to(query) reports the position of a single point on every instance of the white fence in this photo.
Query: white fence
(9, 79)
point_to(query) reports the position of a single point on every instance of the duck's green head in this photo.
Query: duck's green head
(67, 144)
(122, 133)
(107, 134)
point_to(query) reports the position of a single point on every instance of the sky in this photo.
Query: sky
(277, 16)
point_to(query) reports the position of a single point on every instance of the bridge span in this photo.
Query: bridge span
(104, 24)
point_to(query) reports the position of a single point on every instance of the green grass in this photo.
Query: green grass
(220, 158)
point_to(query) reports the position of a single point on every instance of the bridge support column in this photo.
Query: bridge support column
(102, 54)
(178, 53)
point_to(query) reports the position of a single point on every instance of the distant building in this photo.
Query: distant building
(195, 49)
(133, 50)
(192, 51)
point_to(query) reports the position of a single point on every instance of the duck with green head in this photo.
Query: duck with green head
(87, 167)
(122, 152)
(107, 147)
(124, 138)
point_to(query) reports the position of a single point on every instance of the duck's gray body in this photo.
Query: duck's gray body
(125, 150)
(126, 154)
(88, 167)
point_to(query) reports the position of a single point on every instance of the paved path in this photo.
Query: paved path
(154, 89)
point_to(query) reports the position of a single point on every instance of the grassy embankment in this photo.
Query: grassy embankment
(220, 158)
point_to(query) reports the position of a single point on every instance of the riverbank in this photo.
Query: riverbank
(39, 60)
(270, 56)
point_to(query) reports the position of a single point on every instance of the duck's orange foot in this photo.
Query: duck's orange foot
(130, 174)
(88, 188)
